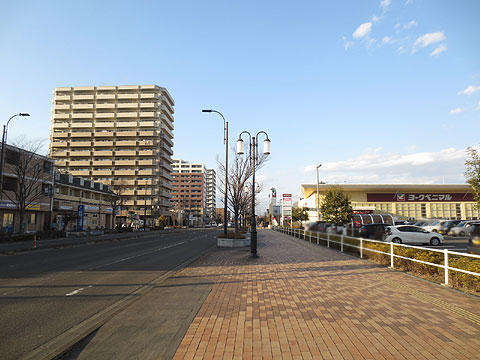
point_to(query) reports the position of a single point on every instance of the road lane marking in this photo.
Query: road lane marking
(75, 292)
(135, 256)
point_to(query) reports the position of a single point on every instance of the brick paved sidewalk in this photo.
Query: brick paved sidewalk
(304, 301)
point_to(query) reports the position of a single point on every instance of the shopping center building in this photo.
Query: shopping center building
(403, 201)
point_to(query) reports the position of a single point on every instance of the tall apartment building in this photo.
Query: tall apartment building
(211, 194)
(120, 136)
(192, 187)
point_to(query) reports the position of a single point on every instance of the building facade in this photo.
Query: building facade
(80, 204)
(193, 188)
(403, 201)
(121, 136)
(27, 190)
(211, 193)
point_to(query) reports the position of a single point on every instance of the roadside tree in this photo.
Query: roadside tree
(472, 174)
(336, 207)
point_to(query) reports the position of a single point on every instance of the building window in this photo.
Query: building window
(32, 218)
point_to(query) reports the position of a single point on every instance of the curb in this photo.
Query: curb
(56, 347)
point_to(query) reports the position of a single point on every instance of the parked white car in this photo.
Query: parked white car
(403, 234)
(462, 229)
(432, 225)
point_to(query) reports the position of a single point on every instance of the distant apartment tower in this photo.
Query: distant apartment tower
(121, 136)
(191, 189)
(211, 193)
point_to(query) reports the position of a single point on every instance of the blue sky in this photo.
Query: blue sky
(376, 91)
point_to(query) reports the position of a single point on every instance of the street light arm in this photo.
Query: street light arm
(224, 122)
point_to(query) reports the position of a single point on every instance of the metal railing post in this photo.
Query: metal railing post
(361, 248)
(341, 243)
(318, 238)
(310, 236)
(328, 239)
(446, 265)
(391, 254)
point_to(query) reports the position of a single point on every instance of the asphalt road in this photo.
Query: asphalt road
(44, 293)
(458, 244)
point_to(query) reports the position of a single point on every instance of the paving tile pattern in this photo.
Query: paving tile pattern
(304, 301)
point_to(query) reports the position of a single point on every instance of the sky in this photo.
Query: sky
(376, 91)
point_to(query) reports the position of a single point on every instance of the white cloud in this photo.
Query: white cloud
(363, 30)
(387, 40)
(385, 3)
(410, 25)
(470, 90)
(378, 166)
(430, 38)
(438, 50)
(456, 111)
(347, 43)
(376, 18)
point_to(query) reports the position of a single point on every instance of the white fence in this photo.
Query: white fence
(327, 237)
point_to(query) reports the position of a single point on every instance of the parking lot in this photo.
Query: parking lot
(453, 243)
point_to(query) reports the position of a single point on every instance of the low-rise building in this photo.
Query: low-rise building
(81, 204)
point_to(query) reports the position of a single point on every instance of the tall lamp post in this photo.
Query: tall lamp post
(318, 206)
(253, 159)
(225, 140)
(2, 156)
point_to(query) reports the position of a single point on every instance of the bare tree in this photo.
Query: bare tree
(116, 199)
(240, 171)
(31, 174)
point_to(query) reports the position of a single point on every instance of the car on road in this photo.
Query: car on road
(373, 231)
(320, 226)
(461, 229)
(404, 234)
(474, 239)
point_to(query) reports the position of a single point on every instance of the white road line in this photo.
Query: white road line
(75, 292)
(135, 256)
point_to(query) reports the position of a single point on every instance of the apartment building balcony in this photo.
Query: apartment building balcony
(82, 115)
(127, 114)
(100, 124)
(145, 192)
(128, 105)
(105, 143)
(102, 172)
(166, 130)
(80, 153)
(166, 157)
(167, 122)
(146, 172)
(77, 134)
(61, 107)
(148, 133)
(167, 139)
(81, 125)
(126, 134)
(149, 96)
(167, 107)
(59, 144)
(147, 152)
(82, 106)
(146, 182)
(103, 153)
(80, 144)
(104, 115)
(129, 202)
(106, 97)
(126, 143)
(147, 124)
(129, 172)
(125, 152)
(166, 166)
(126, 124)
(128, 96)
(83, 97)
(124, 182)
(164, 194)
(147, 202)
(168, 114)
(80, 172)
(129, 192)
(147, 143)
(62, 98)
(59, 154)
(105, 106)
(61, 163)
(150, 114)
(124, 162)
(79, 163)
(102, 162)
(148, 105)
(166, 148)
(61, 125)
(146, 162)
(99, 134)
(61, 116)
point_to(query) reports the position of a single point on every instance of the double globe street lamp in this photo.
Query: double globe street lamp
(253, 158)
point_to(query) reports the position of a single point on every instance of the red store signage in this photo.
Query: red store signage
(420, 197)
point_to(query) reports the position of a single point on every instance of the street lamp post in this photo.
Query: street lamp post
(253, 159)
(318, 209)
(225, 140)
(2, 156)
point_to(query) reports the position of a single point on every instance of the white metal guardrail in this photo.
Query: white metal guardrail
(326, 237)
